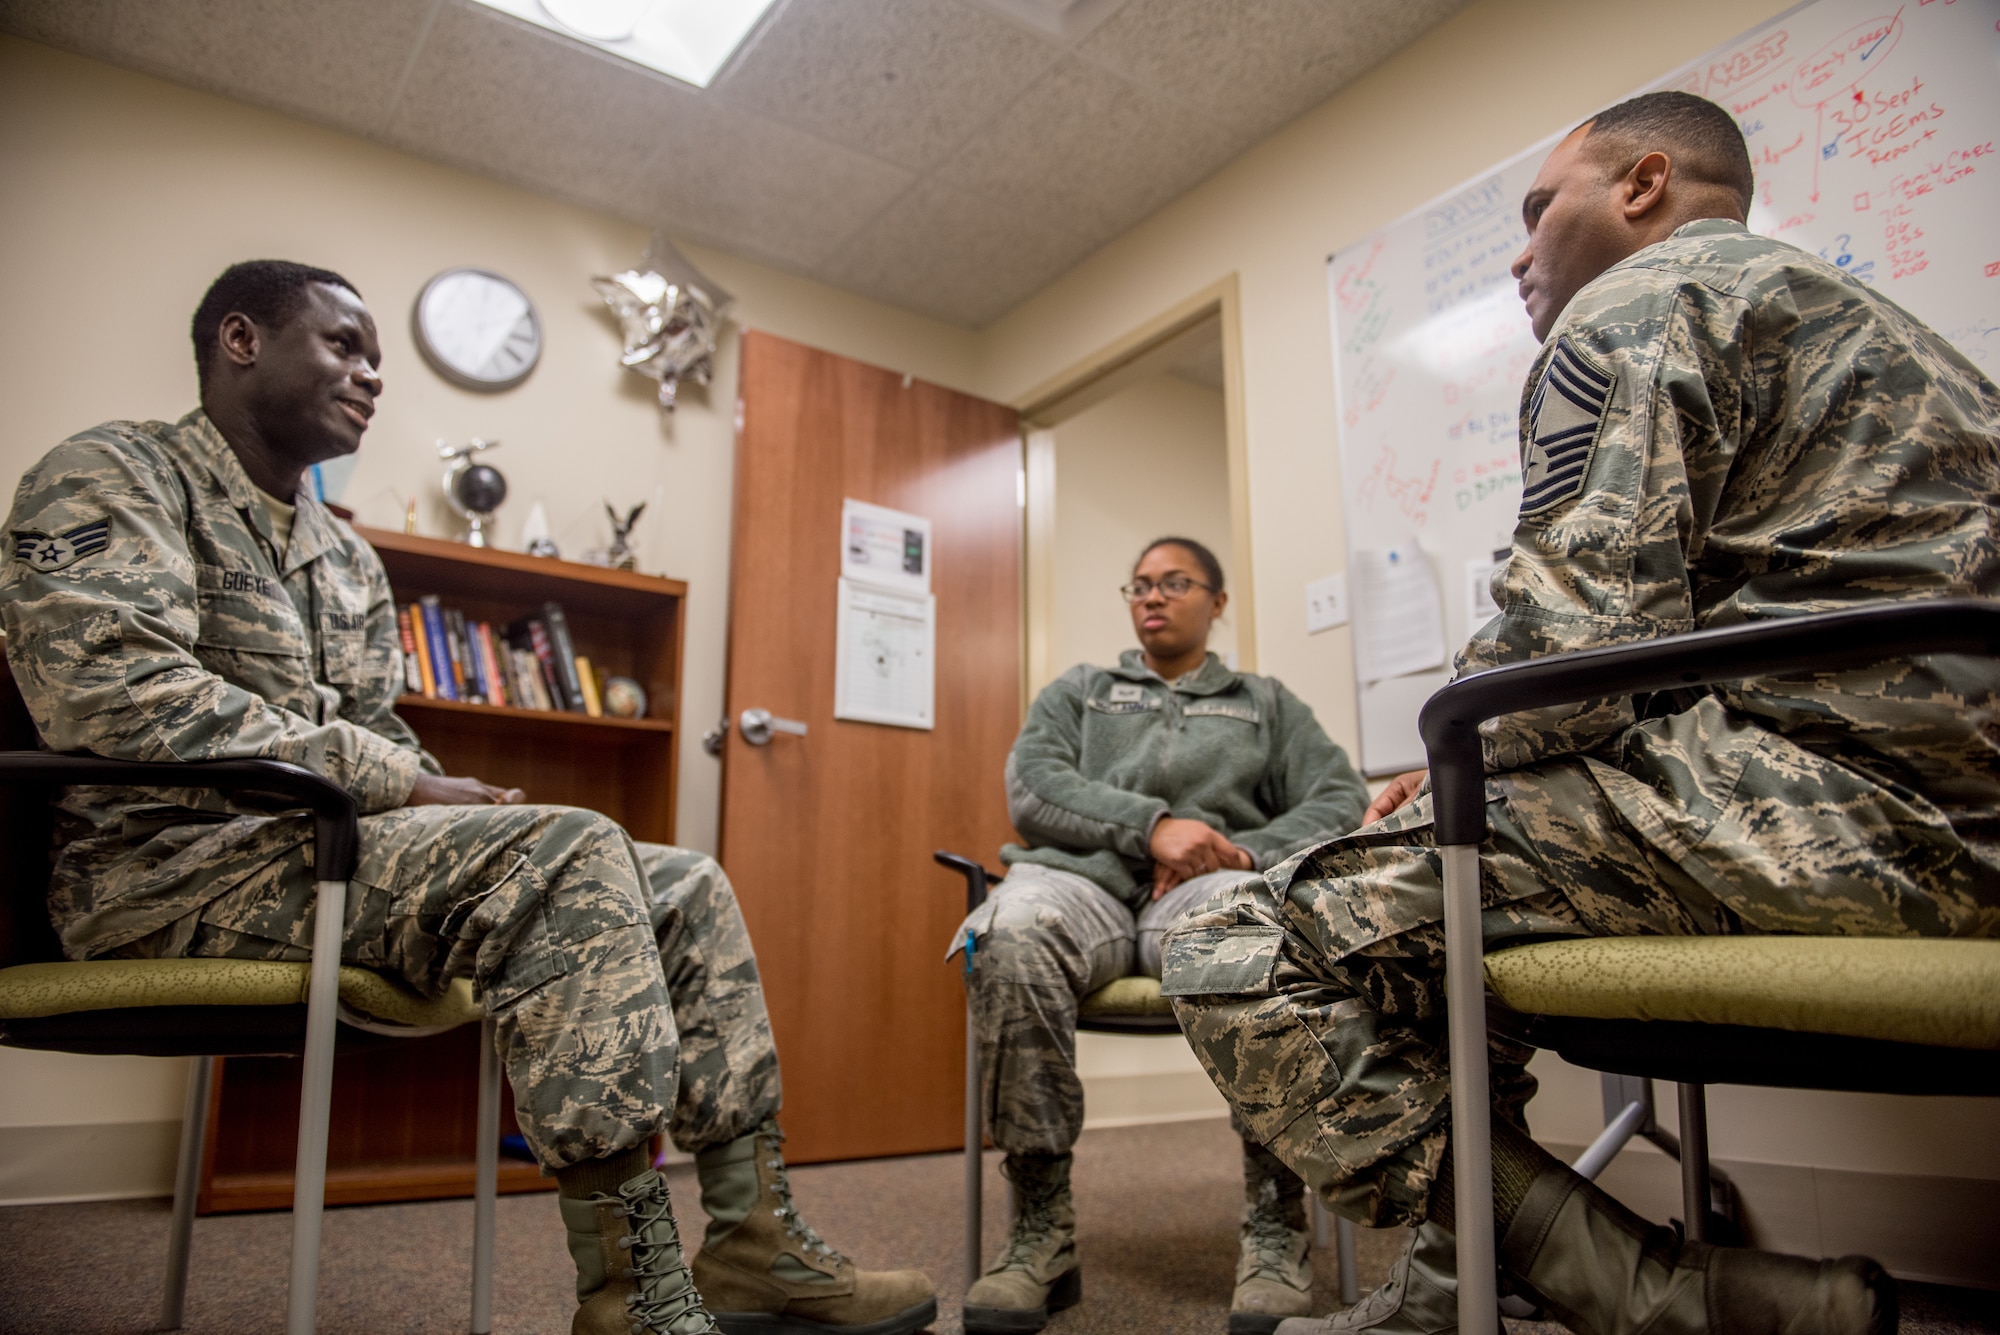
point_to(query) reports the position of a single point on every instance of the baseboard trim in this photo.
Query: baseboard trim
(107, 1161)
(1151, 1097)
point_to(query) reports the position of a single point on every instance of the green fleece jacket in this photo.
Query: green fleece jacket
(1106, 753)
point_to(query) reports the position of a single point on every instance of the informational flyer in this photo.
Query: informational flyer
(1398, 620)
(886, 670)
(886, 548)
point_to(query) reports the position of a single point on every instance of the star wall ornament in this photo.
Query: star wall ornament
(670, 314)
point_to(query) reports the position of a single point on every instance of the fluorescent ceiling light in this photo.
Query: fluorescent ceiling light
(687, 39)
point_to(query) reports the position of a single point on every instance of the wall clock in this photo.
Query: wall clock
(477, 329)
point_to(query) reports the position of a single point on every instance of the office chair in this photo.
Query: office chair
(207, 1008)
(1131, 1005)
(1896, 1015)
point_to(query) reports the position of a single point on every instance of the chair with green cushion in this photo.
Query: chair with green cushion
(1892, 1015)
(1130, 1005)
(205, 1008)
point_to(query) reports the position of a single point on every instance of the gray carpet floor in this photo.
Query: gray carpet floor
(1157, 1212)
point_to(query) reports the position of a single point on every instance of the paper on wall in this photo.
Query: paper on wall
(889, 549)
(885, 669)
(1399, 623)
(1479, 605)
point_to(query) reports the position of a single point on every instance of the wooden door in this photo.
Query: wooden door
(828, 837)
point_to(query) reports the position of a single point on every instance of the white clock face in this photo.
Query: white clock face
(478, 329)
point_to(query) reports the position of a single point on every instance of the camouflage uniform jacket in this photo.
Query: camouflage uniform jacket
(1722, 428)
(1107, 752)
(149, 617)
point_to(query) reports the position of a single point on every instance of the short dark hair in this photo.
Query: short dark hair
(270, 292)
(1202, 556)
(1702, 139)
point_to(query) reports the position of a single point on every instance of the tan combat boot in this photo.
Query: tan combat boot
(1604, 1271)
(763, 1271)
(631, 1277)
(1420, 1297)
(1037, 1272)
(1273, 1274)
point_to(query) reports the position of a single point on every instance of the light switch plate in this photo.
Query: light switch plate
(1326, 603)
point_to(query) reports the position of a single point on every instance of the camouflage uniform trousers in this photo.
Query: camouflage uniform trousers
(1044, 940)
(1315, 996)
(619, 974)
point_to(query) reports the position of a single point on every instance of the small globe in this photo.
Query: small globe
(480, 489)
(624, 698)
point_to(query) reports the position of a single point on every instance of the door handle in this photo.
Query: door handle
(758, 725)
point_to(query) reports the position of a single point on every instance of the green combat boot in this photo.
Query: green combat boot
(1604, 1271)
(1037, 1272)
(1420, 1297)
(1273, 1274)
(764, 1271)
(631, 1277)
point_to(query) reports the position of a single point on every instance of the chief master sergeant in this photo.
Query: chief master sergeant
(1720, 428)
(170, 593)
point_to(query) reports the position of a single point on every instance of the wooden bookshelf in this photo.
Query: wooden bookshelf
(403, 1109)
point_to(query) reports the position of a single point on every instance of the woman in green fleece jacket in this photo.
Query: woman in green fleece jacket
(1140, 791)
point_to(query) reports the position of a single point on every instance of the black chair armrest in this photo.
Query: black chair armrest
(1824, 641)
(976, 876)
(336, 817)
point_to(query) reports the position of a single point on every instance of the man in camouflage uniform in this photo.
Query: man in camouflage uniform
(1720, 429)
(162, 602)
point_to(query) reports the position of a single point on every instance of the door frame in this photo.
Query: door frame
(1134, 356)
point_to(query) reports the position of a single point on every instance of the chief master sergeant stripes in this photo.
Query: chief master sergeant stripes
(1722, 429)
(153, 612)
(1563, 418)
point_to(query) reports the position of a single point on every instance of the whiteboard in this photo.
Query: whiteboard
(1873, 129)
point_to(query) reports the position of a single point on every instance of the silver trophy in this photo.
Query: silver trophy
(475, 490)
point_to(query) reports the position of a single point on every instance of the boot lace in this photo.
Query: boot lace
(666, 1302)
(1266, 1235)
(788, 1213)
(1034, 1225)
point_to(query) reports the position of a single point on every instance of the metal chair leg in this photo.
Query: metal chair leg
(975, 1174)
(187, 1185)
(1343, 1247)
(486, 1189)
(1471, 1127)
(1694, 1160)
(315, 1106)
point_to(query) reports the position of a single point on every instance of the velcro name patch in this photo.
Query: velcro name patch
(1564, 419)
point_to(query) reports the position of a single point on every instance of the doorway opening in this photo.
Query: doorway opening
(1142, 441)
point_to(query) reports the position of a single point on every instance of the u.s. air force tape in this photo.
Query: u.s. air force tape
(1564, 418)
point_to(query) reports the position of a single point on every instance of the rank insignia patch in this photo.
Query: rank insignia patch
(1563, 420)
(39, 551)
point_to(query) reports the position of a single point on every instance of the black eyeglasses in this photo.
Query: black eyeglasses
(1173, 586)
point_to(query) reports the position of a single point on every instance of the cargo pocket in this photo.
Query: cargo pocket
(1224, 961)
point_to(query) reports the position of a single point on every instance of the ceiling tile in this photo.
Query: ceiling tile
(527, 105)
(956, 257)
(1256, 66)
(1090, 151)
(762, 190)
(902, 80)
(332, 60)
(83, 26)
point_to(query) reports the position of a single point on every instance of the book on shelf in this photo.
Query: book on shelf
(529, 663)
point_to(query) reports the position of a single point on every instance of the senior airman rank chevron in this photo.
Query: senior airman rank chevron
(41, 552)
(1563, 419)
